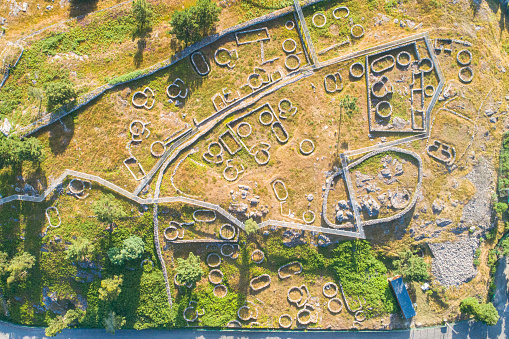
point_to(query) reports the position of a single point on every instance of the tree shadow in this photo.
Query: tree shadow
(138, 57)
(142, 34)
(80, 8)
(61, 134)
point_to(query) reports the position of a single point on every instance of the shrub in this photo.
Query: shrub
(59, 93)
(412, 267)
(500, 207)
(80, 249)
(13, 151)
(19, 265)
(189, 270)
(60, 323)
(487, 313)
(113, 322)
(108, 209)
(251, 226)
(110, 288)
(349, 104)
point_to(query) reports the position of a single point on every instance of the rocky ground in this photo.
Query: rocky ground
(453, 262)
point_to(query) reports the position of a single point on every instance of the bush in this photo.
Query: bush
(189, 270)
(487, 313)
(59, 93)
(251, 226)
(19, 265)
(108, 209)
(110, 288)
(349, 103)
(412, 267)
(113, 322)
(80, 249)
(13, 151)
(500, 207)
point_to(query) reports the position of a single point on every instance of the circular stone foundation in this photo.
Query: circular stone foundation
(312, 144)
(330, 290)
(257, 256)
(335, 305)
(220, 291)
(213, 260)
(319, 15)
(285, 324)
(215, 276)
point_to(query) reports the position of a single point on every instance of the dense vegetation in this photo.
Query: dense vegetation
(14, 151)
(487, 313)
(196, 22)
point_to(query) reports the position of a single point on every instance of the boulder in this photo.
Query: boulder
(438, 206)
(443, 222)
(371, 206)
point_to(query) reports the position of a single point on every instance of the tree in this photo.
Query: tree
(113, 322)
(412, 267)
(184, 26)
(55, 326)
(13, 151)
(251, 226)
(60, 323)
(142, 13)
(206, 13)
(189, 270)
(108, 209)
(132, 248)
(487, 313)
(110, 288)
(115, 256)
(80, 249)
(500, 207)
(349, 103)
(19, 265)
(60, 93)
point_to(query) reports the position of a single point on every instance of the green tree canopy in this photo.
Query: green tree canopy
(189, 270)
(500, 207)
(206, 13)
(251, 226)
(132, 248)
(184, 26)
(487, 313)
(60, 93)
(14, 151)
(80, 249)
(113, 322)
(59, 323)
(194, 23)
(142, 13)
(110, 288)
(108, 209)
(412, 267)
(19, 265)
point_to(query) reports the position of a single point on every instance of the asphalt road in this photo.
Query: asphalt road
(468, 329)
